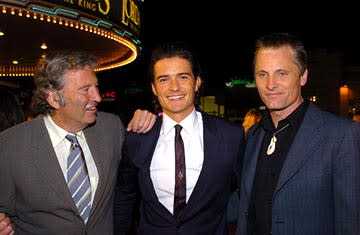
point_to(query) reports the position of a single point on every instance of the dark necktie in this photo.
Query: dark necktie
(78, 178)
(180, 177)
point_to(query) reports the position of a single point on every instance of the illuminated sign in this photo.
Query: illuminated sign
(109, 29)
(108, 96)
(237, 82)
(123, 12)
(133, 90)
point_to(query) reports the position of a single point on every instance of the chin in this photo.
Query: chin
(90, 118)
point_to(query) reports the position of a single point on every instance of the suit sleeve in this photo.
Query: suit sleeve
(239, 160)
(347, 182)
(7, 195)
(126, 192)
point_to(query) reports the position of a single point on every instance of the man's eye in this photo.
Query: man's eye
(261, 75)
(282, 74)
(184, 77)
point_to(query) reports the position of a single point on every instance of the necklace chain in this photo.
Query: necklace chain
(282, 128)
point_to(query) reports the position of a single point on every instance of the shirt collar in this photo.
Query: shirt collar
(57, 134)
(189, 124)
(294, 119)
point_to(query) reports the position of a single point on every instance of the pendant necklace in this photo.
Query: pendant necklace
(272, 145)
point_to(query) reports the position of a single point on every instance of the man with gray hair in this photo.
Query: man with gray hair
(43, 191)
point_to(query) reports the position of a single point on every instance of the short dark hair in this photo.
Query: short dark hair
(276, 40)
(174, 49)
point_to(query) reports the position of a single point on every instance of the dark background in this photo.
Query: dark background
(222, 34)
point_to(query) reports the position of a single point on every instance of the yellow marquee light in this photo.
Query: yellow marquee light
(59, 20)
(43, 46)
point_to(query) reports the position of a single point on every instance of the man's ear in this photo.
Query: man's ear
(53, 99)
(198, 82)
(303, 78)
(153, 89)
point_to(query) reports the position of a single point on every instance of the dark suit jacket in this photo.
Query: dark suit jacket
(33, 188)
(318, 192)
(205, 212)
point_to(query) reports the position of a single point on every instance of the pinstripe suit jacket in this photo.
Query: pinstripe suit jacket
(33, 189)
(318, 192)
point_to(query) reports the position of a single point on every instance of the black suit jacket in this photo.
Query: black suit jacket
(205, 212)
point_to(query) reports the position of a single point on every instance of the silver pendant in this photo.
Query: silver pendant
(272, 145)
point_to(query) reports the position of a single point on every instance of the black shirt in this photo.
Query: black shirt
(269, 167)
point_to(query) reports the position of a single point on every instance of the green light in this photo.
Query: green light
(67, 12)
(43, 10)
(56, 11)
(237, 82)
(131, 90)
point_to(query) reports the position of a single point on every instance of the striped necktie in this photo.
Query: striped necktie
(78, 178)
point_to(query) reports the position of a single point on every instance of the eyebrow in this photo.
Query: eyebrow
(178, 74)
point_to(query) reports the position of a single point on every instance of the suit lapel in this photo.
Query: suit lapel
(251, 156)
(97, 153)
(46, 161)
(211, 151)
(145, 152)
(147, 148)
(148, 144)
(302, 148)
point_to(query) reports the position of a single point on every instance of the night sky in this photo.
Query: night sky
(223, 33)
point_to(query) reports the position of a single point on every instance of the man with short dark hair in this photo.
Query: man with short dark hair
(301, 171)
(178, 199)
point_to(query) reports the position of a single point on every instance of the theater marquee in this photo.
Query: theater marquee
(110, 29)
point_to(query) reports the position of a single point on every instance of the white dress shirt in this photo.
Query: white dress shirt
(62, 149)
(162, 168)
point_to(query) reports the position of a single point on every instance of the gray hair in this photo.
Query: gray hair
(50, 76)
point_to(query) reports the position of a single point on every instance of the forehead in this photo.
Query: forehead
(274, 57)
(80, 76)
(172, 63)
(284, 51)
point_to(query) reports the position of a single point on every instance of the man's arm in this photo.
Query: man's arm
(126, 194)
(141, 122)
(5, 225)
(346, 181)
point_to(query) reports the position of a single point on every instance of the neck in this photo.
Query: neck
(178, 117)
(67, 125)
(280, 114)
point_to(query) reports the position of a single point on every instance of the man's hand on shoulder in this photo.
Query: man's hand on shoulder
(141, 122)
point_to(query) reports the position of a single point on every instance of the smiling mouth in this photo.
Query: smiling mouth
(176, 97)
(91, 108)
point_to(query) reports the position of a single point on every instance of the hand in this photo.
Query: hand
(5, 225)
(142, 121)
